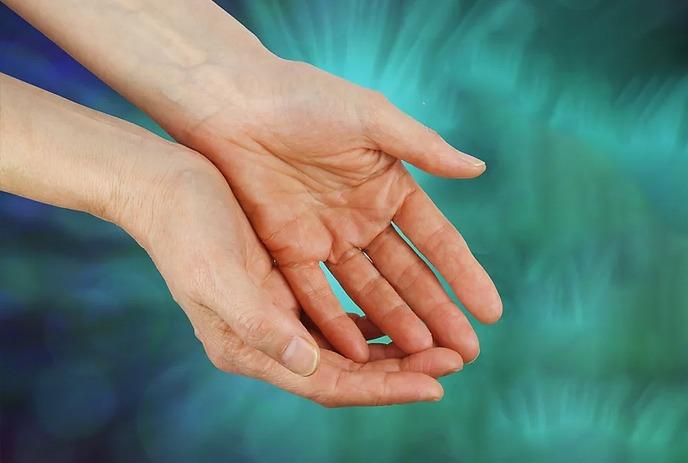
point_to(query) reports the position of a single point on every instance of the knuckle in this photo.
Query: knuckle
(219, 359)
(317, 294)
(396, 312)
(222, 355)
(220, 345)
(409, 276)
(437, 237)
(374, 284)
(381, 241)
(192, 281)
(346, 256)
(331, 396)
(256, 328)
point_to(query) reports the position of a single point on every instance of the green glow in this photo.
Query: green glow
(582, 217)
(579, 107)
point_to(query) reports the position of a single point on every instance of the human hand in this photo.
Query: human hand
(243, 311)
(313, 159)
(177, 205)
(315, 164)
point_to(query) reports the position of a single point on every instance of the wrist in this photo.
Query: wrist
(175, 64)
(147, 191)
(226, 84)
(59, 153)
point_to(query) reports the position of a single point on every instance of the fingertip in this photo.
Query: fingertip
(422, 340)
(435, 393)
(474, 358)
(453, 330)
(316, 364)
(425, 343)
(412, 340)
(455, 363)
(461, 165)
(486, 304)
(403, 137)
(471, 349)
(301, 356)
(492, 313)
(359, 352)
(480, 169)
(454, 166)
(346, 338)
(463, 172)
(317, 357)
(436, 362)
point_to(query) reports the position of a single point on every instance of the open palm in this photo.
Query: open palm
(315, 163)
(244, 312)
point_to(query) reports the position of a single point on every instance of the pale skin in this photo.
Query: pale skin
(180, 209)
(315, 164)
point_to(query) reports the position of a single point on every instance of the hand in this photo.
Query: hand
(315, 164)
(180, 209)
(313, 160)
(243, 311)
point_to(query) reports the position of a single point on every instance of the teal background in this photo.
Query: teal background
(580, 109)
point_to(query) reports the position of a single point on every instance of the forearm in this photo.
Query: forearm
(57, 152)
(160, 55)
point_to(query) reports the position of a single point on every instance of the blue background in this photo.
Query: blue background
(580, 109)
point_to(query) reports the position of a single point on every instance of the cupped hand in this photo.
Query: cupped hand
(315, 163)
(241, 308)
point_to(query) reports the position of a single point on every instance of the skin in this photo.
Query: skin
(314, 161)
(331, 195)
(180, 209)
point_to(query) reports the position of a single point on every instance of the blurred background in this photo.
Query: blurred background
(579, 107)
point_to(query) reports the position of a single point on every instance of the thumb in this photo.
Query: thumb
(262, 325)
(403, 137)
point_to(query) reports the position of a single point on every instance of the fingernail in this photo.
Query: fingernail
(436, 393)
(475, 358)
(472, 160)
(300, 356)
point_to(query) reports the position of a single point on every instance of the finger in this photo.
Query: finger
(319, 338)
(332, 385)
(253, 317)
(417, 285)
(374, 295)
(375, 387)
(275, 285)
(434, 362)
(382, 351)
(401, 136)
(368, 329)
(313, 292)
(441, 243)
